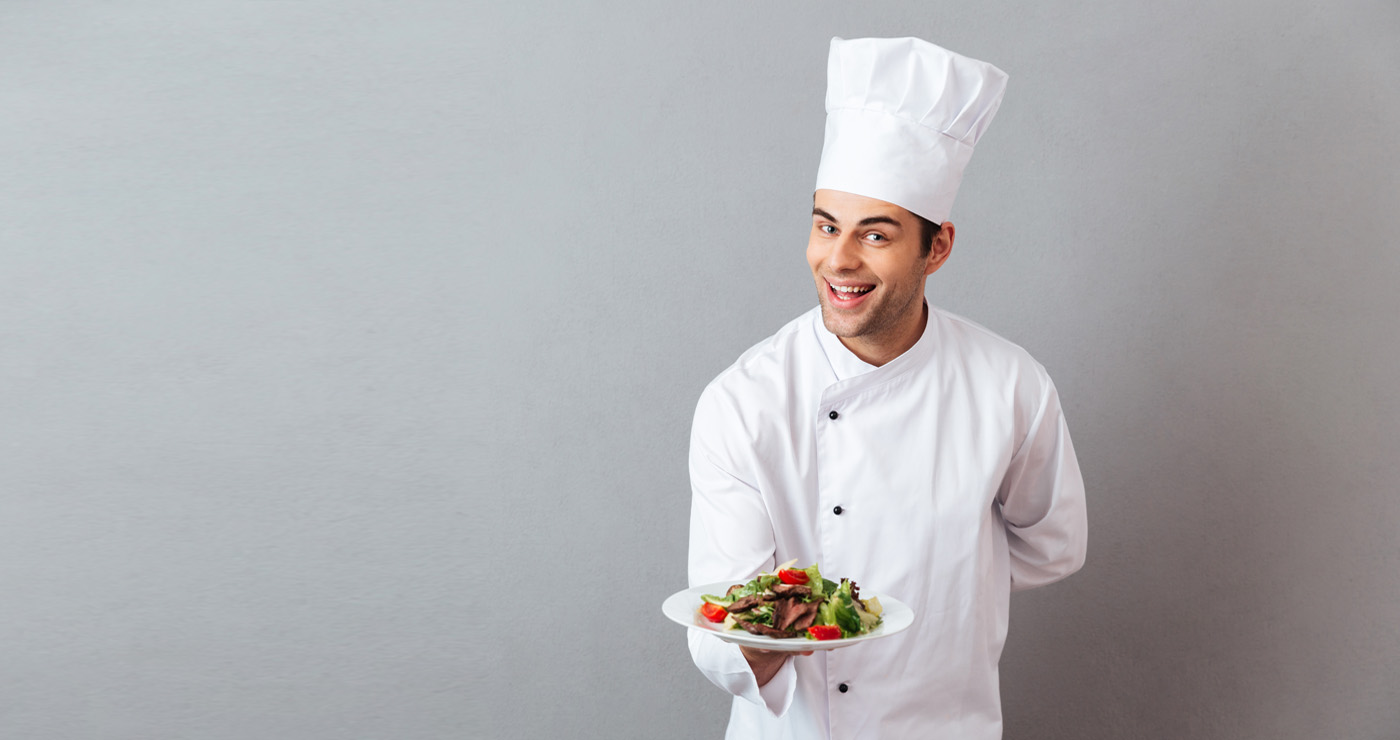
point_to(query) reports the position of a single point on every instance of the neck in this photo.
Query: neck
(880, 348)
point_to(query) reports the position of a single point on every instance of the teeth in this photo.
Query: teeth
(850, 289)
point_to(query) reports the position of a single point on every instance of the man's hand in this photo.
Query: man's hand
(766, 663)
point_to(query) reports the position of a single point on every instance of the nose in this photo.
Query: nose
(844, 255)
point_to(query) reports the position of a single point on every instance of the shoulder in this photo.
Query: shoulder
(763, 373)
(769, 361)
(992, 361)
(977, 341)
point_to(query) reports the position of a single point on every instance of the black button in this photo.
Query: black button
(833, 416)
(837, 511)
(843, 688)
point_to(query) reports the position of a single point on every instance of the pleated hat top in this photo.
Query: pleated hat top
(902, 117)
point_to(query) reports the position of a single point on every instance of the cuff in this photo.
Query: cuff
(724, 664)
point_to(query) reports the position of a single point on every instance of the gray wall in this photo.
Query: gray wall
(349, 351)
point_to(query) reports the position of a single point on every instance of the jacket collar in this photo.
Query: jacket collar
(846, 365)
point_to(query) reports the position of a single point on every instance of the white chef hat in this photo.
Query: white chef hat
(902, 116)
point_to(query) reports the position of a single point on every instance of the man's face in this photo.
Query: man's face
(866, 258)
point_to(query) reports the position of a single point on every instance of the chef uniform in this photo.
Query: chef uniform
(944, 478)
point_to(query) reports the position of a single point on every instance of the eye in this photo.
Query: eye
(826, 228)
(877, 238)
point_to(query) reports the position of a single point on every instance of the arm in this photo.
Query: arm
(765, 664)
(731, 539)
(1042, 500)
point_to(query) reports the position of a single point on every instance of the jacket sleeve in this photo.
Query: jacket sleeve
(1042, 499)
(731, 540)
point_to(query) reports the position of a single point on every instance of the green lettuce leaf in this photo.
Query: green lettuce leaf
(816, 582)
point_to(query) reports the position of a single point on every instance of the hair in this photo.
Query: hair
(927, 231)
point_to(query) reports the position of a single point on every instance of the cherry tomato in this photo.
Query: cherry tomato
(793, 577)
(713, 612)
(824, 631)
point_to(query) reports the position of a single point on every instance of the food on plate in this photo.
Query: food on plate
(794, 602)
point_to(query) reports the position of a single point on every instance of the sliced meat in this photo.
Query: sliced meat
(795, 614)
(788, 590)
(747, 603)
(733, 588)
(763, 629)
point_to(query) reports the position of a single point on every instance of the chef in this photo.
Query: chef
(883, 438)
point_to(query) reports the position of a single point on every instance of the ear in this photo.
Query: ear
(942, 247)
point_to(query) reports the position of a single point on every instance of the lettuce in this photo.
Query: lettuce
(756, 586)
(843, 610)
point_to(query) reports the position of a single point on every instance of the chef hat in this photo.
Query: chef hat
(902, 116)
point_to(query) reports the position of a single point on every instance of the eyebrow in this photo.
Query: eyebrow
(863, 222)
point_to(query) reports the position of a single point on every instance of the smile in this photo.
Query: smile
(848, 296)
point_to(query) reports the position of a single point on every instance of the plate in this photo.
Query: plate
(683, 608)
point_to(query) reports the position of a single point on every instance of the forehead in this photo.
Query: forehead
(845, 206)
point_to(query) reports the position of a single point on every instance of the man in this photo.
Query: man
(884, 439)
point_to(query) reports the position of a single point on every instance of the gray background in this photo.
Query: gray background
(349, 352)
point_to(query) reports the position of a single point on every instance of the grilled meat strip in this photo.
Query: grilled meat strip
(763, 629)
(790, 590)
(747, 603)
(795, 614)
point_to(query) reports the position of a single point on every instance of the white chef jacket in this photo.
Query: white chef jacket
(957, 483)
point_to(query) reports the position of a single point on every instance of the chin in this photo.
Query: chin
(835, 325)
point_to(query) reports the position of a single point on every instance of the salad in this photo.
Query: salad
(794, 603)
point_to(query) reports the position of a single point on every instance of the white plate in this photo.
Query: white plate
(683, 607)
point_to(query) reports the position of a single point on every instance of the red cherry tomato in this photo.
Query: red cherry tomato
(824, 631)
(793, 577)
(713, 612)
